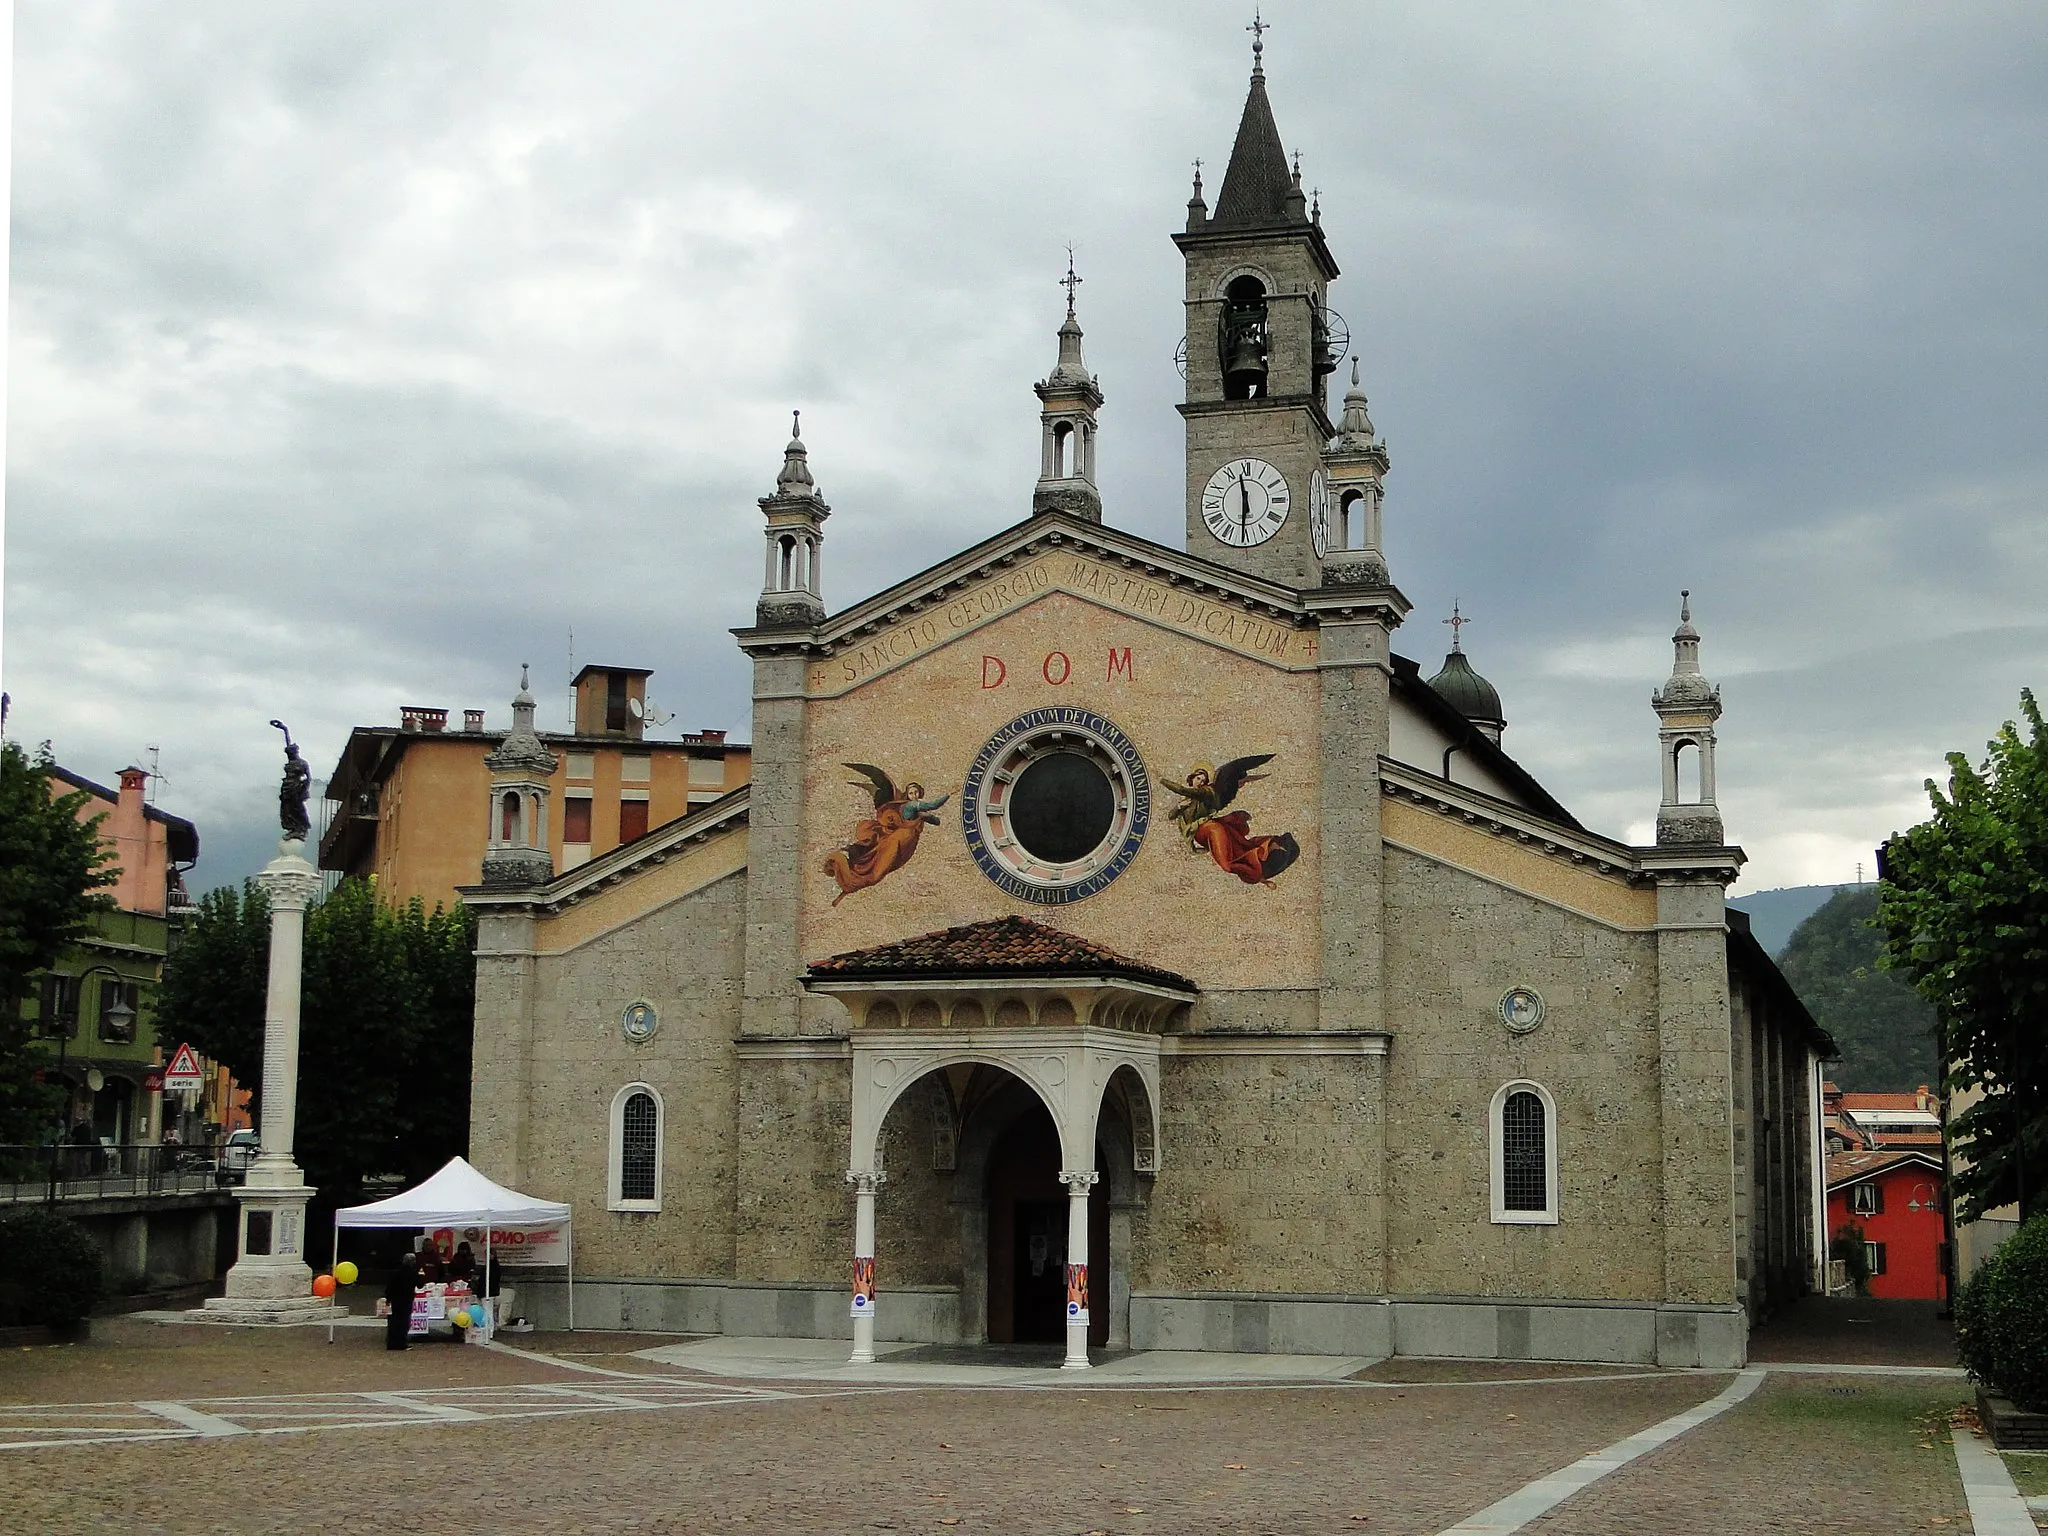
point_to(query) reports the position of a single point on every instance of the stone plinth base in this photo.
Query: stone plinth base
(265, 1311)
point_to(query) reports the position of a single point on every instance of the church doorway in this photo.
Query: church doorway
(1027, 1237)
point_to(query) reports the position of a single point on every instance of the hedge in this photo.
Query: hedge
(50, 1270)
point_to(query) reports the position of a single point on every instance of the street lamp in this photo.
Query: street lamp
(121, 1016)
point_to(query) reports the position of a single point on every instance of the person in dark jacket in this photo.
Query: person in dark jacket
(399, 1291)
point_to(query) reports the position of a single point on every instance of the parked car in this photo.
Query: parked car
(236, 1154)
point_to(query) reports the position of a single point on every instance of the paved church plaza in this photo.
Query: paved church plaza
(220, 1429)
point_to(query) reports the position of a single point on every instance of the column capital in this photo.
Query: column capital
(1079, 1182)
(289, 883)
(865, 1183)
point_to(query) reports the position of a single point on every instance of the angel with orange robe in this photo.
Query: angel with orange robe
(884, 842)
(1226, 836)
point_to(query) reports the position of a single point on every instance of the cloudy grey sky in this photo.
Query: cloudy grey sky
(361, 352)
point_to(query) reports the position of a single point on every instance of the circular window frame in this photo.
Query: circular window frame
(1033, 735)
(626, 1030)
(1508, 1009)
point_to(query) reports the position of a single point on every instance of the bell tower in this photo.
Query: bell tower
(1259, 347)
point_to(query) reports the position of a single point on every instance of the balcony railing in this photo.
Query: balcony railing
(97, 1171)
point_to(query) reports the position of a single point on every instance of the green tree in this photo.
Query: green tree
(387, 997)
(1884, 1028)
(1964, 904)
(53, 870)
(215, 981)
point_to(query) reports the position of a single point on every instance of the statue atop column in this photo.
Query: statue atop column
(292, 793)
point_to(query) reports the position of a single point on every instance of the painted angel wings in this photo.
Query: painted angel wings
(1237, 773)
(872, 778)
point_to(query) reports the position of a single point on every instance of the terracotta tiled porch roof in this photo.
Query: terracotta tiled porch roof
(1003, 946)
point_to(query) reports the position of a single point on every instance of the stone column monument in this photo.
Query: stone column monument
(271, 1281)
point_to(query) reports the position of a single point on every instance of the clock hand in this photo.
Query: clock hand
(1244, 503)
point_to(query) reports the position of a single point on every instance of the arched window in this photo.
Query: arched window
(1353, 505)
(635, 1183)
(1521, 1132)
(508, 827)
(785, 573)
(1062, 440)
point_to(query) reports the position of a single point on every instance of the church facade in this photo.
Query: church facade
(1125, 946)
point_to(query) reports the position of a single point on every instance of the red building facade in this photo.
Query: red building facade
(1895, 1197)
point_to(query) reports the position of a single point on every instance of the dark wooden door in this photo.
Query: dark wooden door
(1027, 1240)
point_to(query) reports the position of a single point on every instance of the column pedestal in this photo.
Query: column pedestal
(271, 1281)
(1078, 1186)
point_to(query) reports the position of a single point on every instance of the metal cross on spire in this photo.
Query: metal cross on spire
(1070, 282)
(1258, 31)
(1457, 622)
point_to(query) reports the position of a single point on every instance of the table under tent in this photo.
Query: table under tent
(458, 1196)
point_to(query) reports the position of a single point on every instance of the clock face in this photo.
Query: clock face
(1319, 513)
(1245, 502)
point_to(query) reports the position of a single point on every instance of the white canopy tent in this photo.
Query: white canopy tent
(460, 1196)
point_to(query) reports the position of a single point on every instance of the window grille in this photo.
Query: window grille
(1523, 1177)
(639, 1126)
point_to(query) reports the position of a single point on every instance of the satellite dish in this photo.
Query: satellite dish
(95, 1079)
(633, 708)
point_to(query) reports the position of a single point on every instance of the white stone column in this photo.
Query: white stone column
(1078, 1185)
(271, 1281)
(864, 1187)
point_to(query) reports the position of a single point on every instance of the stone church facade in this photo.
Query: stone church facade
(1123, 945)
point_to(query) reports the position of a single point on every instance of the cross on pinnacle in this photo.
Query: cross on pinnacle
(1457, 622)
(1258, 30)
(1070, 282)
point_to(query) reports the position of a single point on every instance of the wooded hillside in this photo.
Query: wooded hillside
(1884, 1029)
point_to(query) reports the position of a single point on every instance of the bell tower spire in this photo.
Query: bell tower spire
(792, 591)
(1259, 349)
(1687, 707)
(1068, 398)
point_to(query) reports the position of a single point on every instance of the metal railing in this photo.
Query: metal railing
(97, 1171)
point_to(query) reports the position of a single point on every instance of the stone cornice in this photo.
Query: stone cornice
(657, 847)
(1045, 532)
(1476, 807)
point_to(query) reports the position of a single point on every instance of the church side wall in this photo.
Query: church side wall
(1455, 944)
(686, 959)
(1270, 1178)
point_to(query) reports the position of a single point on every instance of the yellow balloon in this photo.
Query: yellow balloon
(346, 1272)
(460, 1319)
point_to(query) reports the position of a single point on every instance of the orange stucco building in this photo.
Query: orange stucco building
(411, 802)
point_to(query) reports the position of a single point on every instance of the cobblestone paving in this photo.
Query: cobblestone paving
(1815, 1454)
(1410, 1460)
(523, 1444)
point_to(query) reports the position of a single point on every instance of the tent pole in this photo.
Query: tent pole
(333, 1302)
(571, 1236)
(490, 1302)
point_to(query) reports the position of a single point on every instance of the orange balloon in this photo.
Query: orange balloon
(323, 1285)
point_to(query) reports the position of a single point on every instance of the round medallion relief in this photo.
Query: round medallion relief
(1521, 1009)
(639, 1021)
(1055, 805)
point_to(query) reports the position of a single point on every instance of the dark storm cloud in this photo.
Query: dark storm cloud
(360, 355)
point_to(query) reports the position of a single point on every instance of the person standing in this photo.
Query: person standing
(399, 1291)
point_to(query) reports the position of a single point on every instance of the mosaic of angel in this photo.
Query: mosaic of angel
(1226, 835)
(882, 843)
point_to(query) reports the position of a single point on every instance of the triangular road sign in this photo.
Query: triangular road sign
(183, 1072)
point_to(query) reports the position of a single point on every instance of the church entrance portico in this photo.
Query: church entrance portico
(1027, 1127)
